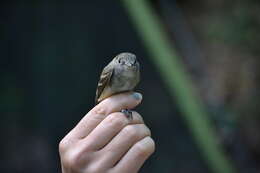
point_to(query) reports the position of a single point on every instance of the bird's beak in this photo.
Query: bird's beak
(128, 64)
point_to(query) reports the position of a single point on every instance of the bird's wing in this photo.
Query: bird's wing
(104, 80)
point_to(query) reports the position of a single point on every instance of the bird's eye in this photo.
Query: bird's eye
(121, 61)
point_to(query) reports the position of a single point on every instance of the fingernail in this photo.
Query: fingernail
(137, 96)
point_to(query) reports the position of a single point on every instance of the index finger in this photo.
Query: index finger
(112, 104)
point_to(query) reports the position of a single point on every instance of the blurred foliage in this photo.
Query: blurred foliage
(173, 74)
(234, 27)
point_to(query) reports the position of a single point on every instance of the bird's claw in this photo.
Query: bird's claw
(128, 113)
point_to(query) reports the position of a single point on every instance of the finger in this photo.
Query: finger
(112, 104)
(122, 142)
(133, 160)
(108, 128)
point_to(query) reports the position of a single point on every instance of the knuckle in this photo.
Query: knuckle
(76, 160)
(86, 146)
(100, 110)
(76, 157)
(94, 168)
(63, 145)
(151, 145)
(145, 130)
(143, 150)
(138, 116)
(136, 131)
(131, 131)
(148, 131)
(117, 120)
(72, 161)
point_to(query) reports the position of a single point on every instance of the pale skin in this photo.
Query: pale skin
(106, 141)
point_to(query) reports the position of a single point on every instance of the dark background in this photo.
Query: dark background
(52, 53)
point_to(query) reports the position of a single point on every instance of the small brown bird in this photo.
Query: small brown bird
(120, 75)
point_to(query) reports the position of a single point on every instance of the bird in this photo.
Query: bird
(122, 74)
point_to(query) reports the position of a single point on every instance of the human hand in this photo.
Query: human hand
(106, 141)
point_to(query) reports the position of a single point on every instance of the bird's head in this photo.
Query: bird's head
(126, 59)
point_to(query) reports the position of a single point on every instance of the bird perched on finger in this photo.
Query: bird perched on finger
(120, 75)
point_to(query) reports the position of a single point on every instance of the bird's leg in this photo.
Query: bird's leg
(128, 113)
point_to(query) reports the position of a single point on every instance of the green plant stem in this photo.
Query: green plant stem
(172, 71)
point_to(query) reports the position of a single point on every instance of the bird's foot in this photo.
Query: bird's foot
(128, 113)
